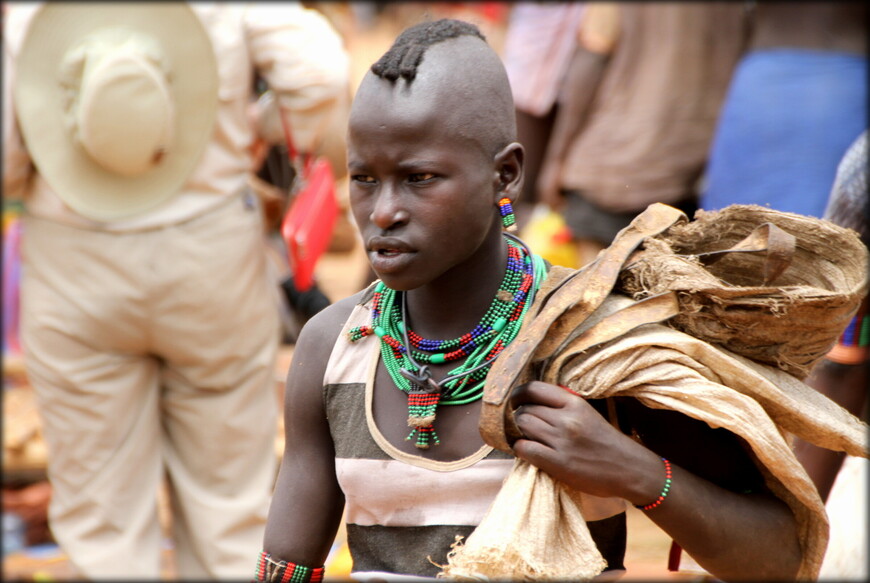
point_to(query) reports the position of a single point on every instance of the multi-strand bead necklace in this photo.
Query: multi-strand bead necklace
(407, 355)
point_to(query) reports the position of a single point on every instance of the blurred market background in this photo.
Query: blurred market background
(29, 553)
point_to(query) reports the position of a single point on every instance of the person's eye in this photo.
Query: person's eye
(362, 179)
(421, 177)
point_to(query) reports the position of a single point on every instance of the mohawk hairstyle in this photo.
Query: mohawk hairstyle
(407, 51)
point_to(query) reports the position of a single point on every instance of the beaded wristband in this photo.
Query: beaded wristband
(274, 571)
(665, 489)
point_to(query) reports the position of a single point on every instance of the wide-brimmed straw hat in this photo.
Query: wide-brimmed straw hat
(116, 102)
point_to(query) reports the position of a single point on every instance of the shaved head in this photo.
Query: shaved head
(445, 70)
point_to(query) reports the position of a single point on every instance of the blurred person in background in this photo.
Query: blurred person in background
(149, 324)
(842, 376)
(637, 112)
(539, 42)
(797, 100)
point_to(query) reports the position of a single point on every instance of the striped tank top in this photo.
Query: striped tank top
(403, 511)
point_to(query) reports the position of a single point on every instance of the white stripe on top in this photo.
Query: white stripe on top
(393, 493)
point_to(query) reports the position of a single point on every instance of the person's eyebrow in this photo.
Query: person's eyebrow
(416, 163)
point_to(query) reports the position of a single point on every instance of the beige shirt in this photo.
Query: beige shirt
(297, 52)
(538, 45)
(652, 119)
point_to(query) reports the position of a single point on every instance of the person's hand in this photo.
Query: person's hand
(548, 185)
(567, 438)
(259, 148)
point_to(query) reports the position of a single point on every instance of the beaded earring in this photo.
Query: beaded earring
(507, 214)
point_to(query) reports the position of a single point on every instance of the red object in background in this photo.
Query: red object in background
(493, 11)
(309, 221)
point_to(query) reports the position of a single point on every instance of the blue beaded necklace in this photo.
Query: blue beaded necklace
(406, 354)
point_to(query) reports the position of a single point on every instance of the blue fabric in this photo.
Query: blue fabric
(788, 119)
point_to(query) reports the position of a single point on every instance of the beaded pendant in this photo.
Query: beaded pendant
(406, 355)
(424, 396)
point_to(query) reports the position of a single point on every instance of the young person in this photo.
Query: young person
(432, 157)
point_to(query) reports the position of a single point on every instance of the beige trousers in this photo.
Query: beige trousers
(152, 356)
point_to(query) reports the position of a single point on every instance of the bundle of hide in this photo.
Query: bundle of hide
(626, 326)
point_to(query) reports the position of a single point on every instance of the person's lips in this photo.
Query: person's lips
(387, 246)
(388, 254)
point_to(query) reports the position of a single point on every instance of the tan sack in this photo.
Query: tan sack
(601, 343)
(790, 321)
(666, 369)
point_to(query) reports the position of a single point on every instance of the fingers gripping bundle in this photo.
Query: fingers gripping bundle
(698, 317)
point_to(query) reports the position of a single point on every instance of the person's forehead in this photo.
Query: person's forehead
(460, 88)
(403, 125)
(402, 102)
(448, 100)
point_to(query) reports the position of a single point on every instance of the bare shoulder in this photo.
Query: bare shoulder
(324, 327)
(316, 340)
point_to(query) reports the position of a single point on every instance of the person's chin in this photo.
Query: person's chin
(392, 266)
(400, 282)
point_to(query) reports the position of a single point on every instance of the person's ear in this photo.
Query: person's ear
(508, 178)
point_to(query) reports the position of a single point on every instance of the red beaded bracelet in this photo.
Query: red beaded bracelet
(665, 489)
(268, 569)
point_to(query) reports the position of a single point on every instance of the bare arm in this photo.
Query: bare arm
(580, 84)
(733, 535)
(303, 60)
(596, 38)
(307, 503)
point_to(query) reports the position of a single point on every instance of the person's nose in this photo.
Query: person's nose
(389, 211)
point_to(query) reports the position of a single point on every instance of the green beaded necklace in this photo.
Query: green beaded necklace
(407, 355)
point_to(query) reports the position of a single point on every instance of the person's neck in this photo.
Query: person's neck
(455, 302)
